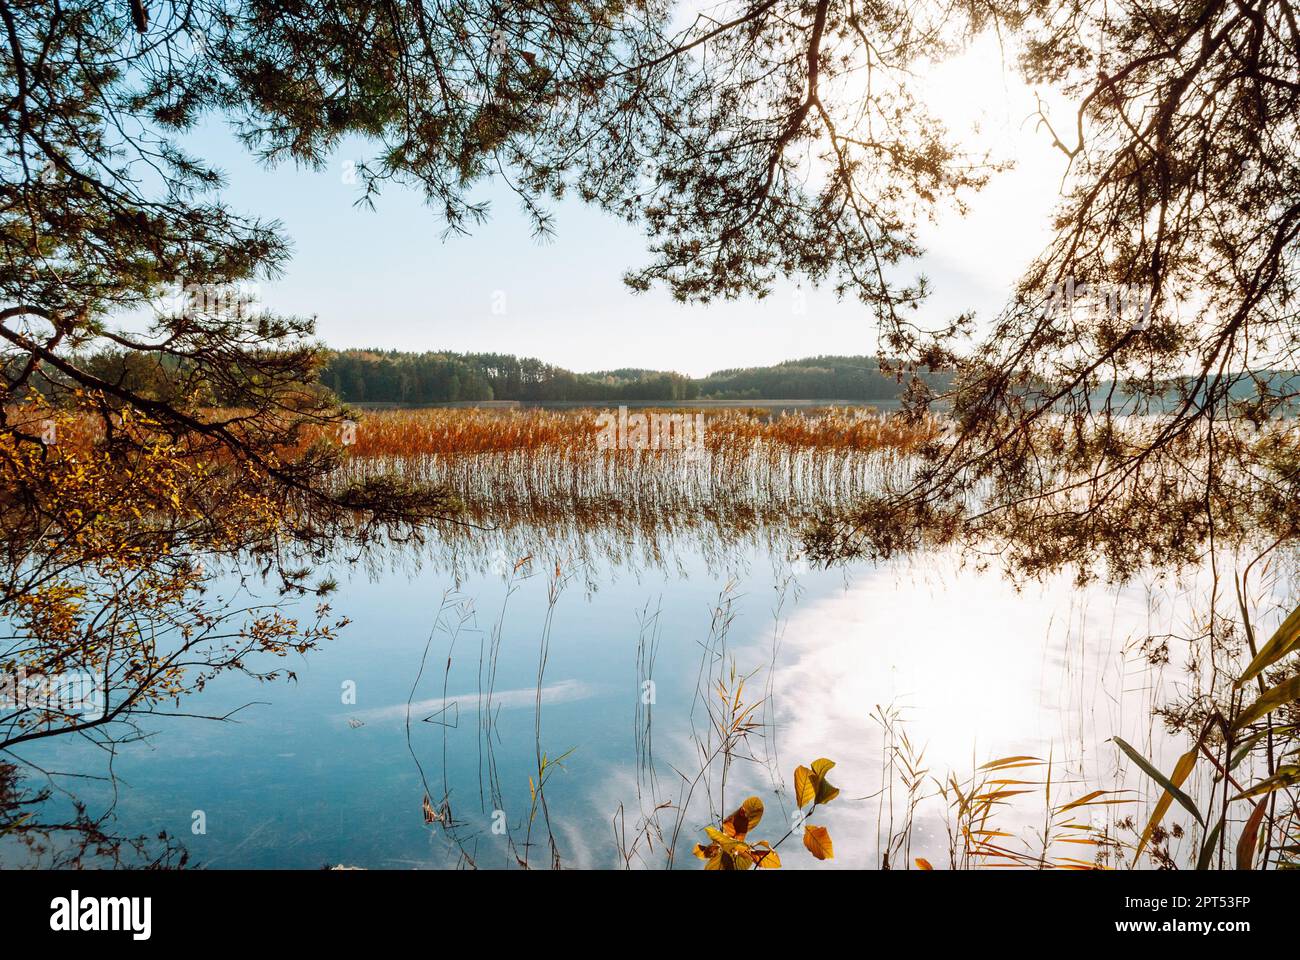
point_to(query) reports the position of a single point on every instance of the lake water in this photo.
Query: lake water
(411, 699)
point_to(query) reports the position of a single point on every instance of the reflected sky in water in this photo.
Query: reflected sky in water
(972, 667)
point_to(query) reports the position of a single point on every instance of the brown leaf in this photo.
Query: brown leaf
(1249, 834)
(744, 819)
(705, 853)
(818, 842)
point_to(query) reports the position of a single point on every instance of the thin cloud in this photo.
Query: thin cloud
(565, 691)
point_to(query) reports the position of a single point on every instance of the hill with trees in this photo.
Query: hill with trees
(814, 378)
(379, 376)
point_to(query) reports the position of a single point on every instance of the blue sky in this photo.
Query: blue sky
(386, 278)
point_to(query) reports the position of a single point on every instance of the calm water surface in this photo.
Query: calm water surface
(971, 668)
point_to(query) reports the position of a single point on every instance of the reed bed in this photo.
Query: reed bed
(520, 475)
(460, 432)
(745, 466)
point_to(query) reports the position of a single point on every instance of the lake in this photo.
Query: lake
(969, 668)
(550, 681)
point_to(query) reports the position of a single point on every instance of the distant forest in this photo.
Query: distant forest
(375, 376)
(396, 377)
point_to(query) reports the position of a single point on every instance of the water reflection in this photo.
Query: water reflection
(465, 671)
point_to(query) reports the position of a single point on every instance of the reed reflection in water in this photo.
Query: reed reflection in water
(849, 662)
(511, 651)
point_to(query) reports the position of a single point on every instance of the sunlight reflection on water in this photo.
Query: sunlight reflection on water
(975, 668)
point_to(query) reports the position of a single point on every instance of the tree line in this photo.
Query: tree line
(374, 376)
(409, 378)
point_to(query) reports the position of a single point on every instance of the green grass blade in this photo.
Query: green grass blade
(1268, 701)
(1287, 776)
(1285, 640)
(1207, 848)
(1161, 779)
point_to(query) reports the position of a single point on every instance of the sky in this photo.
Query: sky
(387, 279)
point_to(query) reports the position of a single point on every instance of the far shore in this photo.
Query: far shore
(885, 404)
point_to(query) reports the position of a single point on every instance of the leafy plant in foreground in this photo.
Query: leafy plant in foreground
(730, 848)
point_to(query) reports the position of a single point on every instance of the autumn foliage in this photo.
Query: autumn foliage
(730, 848)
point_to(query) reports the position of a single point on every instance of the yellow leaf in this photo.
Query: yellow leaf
(923, 864)
(737, 856)
(818, 842)
(1270, 700)
(1007, 762)
(1285, 640)
(1181, 771)
(765, 858)
(810, 785)
(726, 842)
(825, 792)
(804, 791)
